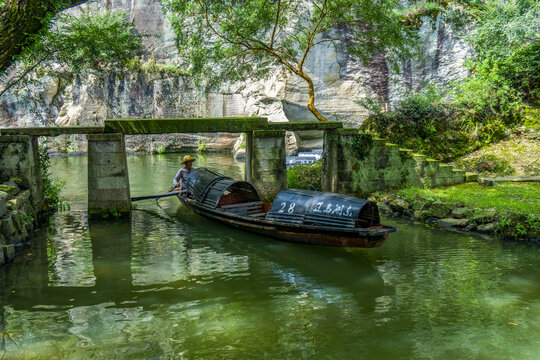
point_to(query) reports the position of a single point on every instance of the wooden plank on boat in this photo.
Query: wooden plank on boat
(241, 205)
(260, 214)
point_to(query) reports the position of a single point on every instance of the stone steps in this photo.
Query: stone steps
(367, 164)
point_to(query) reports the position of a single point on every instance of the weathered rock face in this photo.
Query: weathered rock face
(339, 81)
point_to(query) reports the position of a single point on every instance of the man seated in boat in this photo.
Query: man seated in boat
(179, 181)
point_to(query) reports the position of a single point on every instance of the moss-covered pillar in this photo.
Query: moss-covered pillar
(329, 161)
(249, 156)
(268, 163)
(108, 180)
(19, 158)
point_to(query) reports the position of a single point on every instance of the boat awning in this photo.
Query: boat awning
(208, 187)
(323, 208)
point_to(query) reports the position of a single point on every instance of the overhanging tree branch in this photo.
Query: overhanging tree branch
(22, 20)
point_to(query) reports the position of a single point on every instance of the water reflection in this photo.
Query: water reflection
(211, 277)
(170, 284)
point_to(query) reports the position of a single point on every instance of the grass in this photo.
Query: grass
(515, 207)
(519, 198)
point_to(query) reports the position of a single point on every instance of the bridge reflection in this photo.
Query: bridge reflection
(125, 269)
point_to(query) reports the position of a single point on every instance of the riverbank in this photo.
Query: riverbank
(506, 210)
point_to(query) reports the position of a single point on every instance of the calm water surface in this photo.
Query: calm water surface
(168, 284)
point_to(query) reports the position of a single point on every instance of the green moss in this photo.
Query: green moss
(305, 125)
(488, 164)
(163, 126)
(10, 190)
(268, 133)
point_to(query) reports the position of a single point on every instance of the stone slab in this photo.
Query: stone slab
(451, 222)
(9, 251)
(3, 203)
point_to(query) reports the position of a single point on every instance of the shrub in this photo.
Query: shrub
(202, 147)
(305, 176)
(51, 187)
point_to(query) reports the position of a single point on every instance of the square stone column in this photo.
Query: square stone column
(268, 163)
(329, 161)
(249, 155)
(108, 180)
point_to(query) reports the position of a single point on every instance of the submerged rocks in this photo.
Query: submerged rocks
(399, 205)
(488, 228)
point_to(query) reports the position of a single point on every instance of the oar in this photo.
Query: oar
(148, 197)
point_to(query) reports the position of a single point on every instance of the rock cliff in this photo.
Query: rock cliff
(340, 80)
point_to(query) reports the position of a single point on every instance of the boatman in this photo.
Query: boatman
(179, 181)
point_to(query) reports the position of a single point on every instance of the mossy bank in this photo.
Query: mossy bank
(507, 210)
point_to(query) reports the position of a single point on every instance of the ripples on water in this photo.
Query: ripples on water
(170, 284)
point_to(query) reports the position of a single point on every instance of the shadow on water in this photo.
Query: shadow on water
(27, 286)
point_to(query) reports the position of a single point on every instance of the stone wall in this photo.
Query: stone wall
(366, 164)
(21, 193)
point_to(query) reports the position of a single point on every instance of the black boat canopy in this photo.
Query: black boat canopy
(208, 188)
(323, 208)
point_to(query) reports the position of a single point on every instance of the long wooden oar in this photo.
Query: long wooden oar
(148, 197)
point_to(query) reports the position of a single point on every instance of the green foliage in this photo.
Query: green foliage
(112, 213)
(96, 41)
(475, 112)
(229, 39)
(504, 82)
(202, 147)
(151, 66)
(503, 27)
(161, 149)
(521, 71)
(305, 176)
(421, 121)
(51, 187)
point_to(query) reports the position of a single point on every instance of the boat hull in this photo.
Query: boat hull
(315, 235)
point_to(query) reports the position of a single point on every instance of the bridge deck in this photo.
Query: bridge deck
(164, 126)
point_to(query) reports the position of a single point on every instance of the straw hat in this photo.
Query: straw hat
(187, 158)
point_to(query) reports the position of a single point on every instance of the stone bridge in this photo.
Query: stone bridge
(353, 163)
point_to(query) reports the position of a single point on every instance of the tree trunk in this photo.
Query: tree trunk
(21, 20)
(311, 100)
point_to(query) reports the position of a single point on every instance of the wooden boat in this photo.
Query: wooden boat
(301, 216)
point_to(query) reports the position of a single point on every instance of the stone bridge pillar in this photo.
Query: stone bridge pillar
(268, 162)
(108, 180)
(330, 161)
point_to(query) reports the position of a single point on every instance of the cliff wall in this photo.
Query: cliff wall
(90, 98)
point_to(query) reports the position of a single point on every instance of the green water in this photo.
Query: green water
(168, 284)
